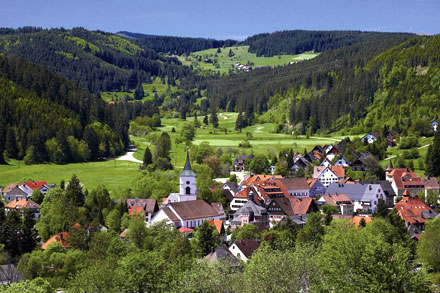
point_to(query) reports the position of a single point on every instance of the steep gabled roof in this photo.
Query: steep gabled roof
(22, 204)
(411, 209)
(62, 238)
(247, 247)
(221, 253)
(302, 206)
(337, 199)
(35, 184)
(149, 205)
(218, 224)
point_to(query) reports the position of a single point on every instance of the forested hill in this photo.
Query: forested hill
(98, 61)
(44, 117)
(253, 90)
(175, 45)
(300, 41)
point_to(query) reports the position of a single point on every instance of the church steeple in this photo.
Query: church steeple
(187, 170)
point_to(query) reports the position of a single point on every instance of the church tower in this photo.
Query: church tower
(188, 188)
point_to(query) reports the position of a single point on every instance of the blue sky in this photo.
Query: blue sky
(223, 19)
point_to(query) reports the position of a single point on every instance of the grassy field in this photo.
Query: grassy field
(211, 60)
(264, 139)
(115, 175)
(118, 175)
(149, 89)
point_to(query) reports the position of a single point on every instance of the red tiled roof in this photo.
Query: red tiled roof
(245, 192)
(301, 206)
(339, 171)
(336, 199)
(294, 183)
(260, 178)
(410, 209)
(185, 230)
(22, 204)
(397, 175)
(136, 210)
(356, 220)
(124, 233)
(35, 184)
(9, 187)
(218, 224)
(62, 238)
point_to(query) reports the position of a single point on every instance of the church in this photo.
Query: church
(188, 189)
(183, 209)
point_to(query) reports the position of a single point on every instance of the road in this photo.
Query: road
(129, 156)
(419, 148)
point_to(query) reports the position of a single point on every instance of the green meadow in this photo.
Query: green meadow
(117, 175)
(210, 59)
(149, 90)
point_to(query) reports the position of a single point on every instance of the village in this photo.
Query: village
(266, 200)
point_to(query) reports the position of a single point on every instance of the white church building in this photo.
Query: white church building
(183, 209)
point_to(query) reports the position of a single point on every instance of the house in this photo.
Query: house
(260, 179)
(239, 162)
(326, 162)
(17, 191)
(361, 162)
(278, 208)
(341, 201)
(232, 187)
(300, 163)
(189, 214)
(387, 189)
(250, 213)
(296, 187)
(241, 198)
(62, 238)
(331, 152)
(270, 189)
(35, 184)
(434, 125)
(402, 179)
(327, 175)
(431, 184)
(243, 249)
(341, 161)
(414, 212)
(148, 205)
(370, 137)
(21, 204)
(316, 187)
(365, 197)
(223, 254)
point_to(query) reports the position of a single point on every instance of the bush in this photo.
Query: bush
(408, 142)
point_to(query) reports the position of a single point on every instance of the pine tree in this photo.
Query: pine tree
(11, 147)
(432, 162)
(239, 122)
(74, 192)
(29, 235)
(148, 158)
(205, 120)
(139, 92)
(213, 119)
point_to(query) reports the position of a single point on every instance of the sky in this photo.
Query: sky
(223, 19)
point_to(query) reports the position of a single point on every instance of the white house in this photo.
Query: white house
(326, 162)
(243, 249)
(325, 175)
(341, 161)
(371, 138)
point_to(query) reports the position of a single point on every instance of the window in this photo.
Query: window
(187, 182)
(188, 190)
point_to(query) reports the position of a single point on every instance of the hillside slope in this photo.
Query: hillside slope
(44, 117)
(98, 61)
(300, 41)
